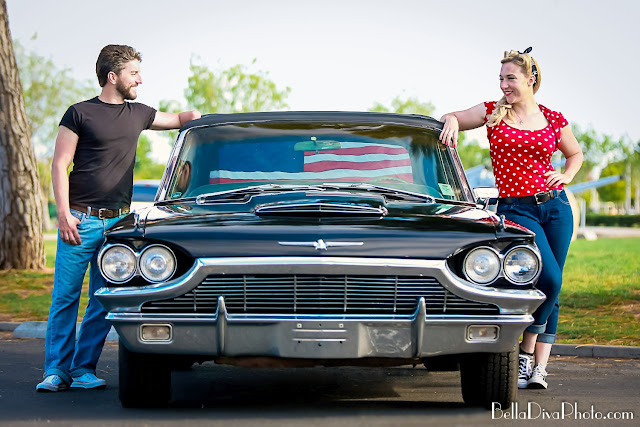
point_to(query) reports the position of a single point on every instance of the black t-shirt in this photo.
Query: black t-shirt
(102, 175)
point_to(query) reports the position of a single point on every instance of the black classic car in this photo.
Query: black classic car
(318, 239)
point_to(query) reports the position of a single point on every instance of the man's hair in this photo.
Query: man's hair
(113, 57)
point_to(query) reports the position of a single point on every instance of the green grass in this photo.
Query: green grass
(26, 295)
(599, 303)
(600, 298)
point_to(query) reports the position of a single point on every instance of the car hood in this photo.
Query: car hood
(367, 226)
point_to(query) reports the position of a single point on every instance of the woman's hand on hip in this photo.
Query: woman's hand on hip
(555, 178)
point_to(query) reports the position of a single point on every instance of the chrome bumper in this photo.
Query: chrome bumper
(319, 336)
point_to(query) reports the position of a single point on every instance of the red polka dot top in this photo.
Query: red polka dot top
(521, 157)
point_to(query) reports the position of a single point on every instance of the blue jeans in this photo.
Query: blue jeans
(63, 355)
(552, 223)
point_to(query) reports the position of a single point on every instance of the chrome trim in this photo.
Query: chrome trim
(461, 175)
(502, 257)
(161, 195)
(316, 208)
(321, 245)
(139, 266)
(502, 224)
(328, 337)
(500, 262)
(130, 299)
(538, 256)
(483, 340)
(112, 245)
(156, 341)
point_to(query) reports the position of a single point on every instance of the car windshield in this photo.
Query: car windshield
(287, 156)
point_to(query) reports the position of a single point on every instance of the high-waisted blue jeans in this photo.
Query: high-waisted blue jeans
(63, 355)
(552, 223)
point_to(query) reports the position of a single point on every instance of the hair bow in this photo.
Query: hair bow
(534, 69)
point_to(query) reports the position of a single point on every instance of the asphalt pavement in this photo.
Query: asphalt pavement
(592, 391)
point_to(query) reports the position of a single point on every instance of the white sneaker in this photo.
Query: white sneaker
(88, 381)
(538, 377)
(52, 383)
(525, 364)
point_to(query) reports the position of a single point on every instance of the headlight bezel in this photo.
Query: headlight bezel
(138, 248)
(478, 249)
(140, 260)
(502, 278)
(102, 254)
(536, 257)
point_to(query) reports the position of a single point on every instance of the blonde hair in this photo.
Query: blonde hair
(527, 64)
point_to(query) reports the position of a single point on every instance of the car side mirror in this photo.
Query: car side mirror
(486, 196)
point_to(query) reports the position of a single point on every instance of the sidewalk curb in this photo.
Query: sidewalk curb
(39, 329)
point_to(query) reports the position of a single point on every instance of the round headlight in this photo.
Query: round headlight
(521, 265)
(157, 263)
(118, 263)
(482, 265)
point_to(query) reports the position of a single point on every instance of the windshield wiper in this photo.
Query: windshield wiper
(244, 192)
(391, 193)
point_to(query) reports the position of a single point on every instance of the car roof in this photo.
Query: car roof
(317, 116)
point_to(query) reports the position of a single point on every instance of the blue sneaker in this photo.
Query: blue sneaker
(88, 380)
(52, 383)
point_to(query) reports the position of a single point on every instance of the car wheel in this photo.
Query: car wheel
(488, 378)
(145, 381)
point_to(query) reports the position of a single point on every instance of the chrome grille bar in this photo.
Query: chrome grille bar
(319, 294)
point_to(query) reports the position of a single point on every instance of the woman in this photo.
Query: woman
(523, 136)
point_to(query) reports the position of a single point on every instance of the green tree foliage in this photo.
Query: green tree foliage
(600, 149)
(233, 90)
(596, 148)
(48, 91)
(472, 154)
(145, 167)
(616, 192)
(613, 192)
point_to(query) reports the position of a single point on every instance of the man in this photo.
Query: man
(100, 137)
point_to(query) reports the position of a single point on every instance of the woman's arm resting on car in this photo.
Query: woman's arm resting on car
(460, 121)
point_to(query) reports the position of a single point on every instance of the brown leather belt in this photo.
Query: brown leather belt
(101, 213)
(537, 198)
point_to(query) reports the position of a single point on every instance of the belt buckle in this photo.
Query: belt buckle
(538, 201)
(101, 212)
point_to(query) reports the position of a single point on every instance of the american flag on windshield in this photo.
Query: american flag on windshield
(352, 162)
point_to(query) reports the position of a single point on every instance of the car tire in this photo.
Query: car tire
(489, 378)
(145, 381)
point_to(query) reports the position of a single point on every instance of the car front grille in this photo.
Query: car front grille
(313, 294)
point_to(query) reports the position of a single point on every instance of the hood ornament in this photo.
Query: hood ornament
(321, 245)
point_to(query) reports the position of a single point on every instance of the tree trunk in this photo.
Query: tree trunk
(21, 240)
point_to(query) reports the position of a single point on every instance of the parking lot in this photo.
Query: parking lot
(210, 394)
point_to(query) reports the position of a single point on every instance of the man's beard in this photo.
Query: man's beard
(126, 92)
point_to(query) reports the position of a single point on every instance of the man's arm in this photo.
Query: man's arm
(66, 144)
(167, 121)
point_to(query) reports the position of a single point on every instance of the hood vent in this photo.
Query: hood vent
(321, 210)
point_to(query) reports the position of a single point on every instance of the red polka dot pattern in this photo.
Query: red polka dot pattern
(521, 157)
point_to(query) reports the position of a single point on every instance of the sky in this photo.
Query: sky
(350, 54)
